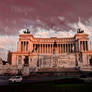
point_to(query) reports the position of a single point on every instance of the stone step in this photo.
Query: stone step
(57, 70)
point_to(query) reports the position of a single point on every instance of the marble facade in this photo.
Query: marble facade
(52, 52)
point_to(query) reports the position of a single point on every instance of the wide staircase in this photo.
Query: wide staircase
(58, 70)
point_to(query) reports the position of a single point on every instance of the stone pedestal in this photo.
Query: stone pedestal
(26, 70)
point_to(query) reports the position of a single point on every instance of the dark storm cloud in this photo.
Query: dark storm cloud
(17, 14)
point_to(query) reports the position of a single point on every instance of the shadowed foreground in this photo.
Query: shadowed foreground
(47, 87)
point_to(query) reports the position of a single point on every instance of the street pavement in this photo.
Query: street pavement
(4, 79)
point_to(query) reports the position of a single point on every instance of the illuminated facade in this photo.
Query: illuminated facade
(52, 52)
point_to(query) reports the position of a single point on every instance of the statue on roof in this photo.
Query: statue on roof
(80, 31)
(26, 31)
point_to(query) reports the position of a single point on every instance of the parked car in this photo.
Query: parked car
(15, 79)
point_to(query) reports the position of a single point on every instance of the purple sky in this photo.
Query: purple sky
(45, 18)
(18, 14)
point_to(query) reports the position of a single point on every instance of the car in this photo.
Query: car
(15, 79)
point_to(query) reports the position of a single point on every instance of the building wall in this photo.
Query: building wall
(52, 52)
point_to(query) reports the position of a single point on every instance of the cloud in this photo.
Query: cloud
(44, 33)
(10, 42)
(7, 43)
(41, 31)
(61, 18)
(86, 26)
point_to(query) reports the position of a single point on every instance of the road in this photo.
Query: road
(4, 79)
(35, 79)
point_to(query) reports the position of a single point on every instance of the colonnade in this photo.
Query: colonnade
(83, 45)
(24, 46)
(49, 48)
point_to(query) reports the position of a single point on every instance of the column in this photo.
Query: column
(24, 46)
(21, 45)
(50, 48)
(47, 48)
(36, 48)
(63, 48)
(68, 48)
(72, 47)
(79, 45)
(42, 48)
(85, 45)
(27, 46)
(76, 46)
(39, 49)
(82, 46)
(59, 48)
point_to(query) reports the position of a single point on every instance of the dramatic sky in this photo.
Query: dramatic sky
(44, 18)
